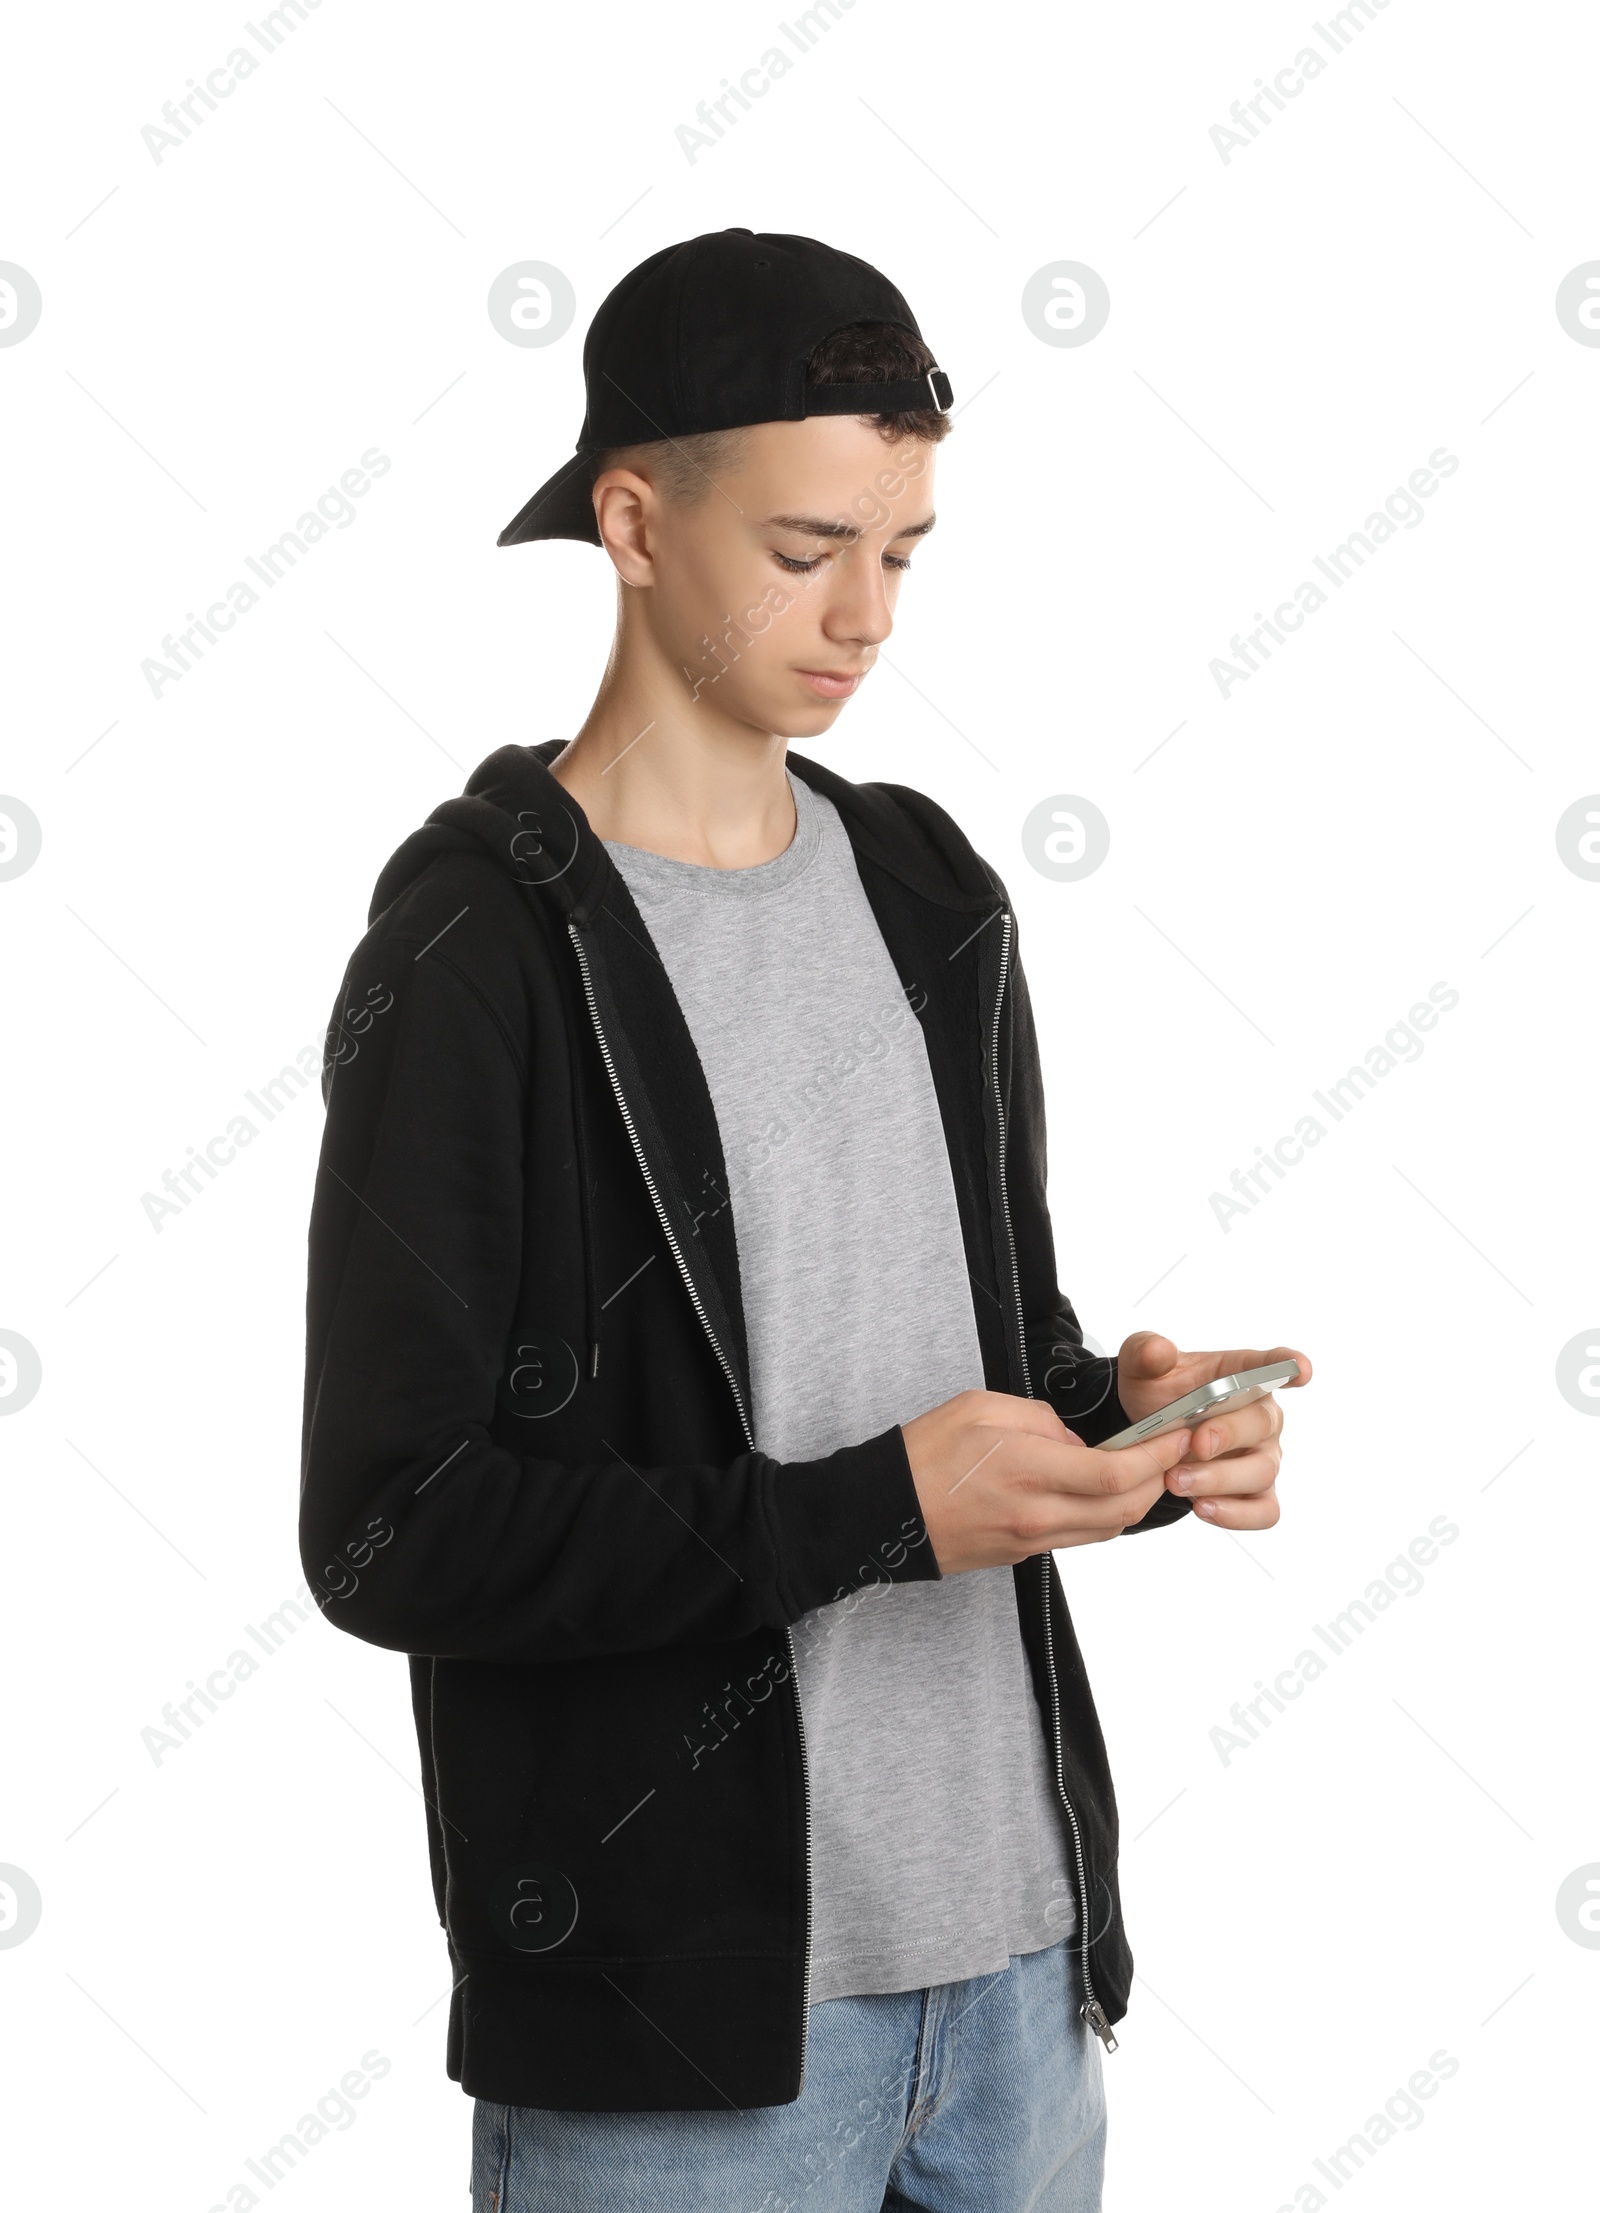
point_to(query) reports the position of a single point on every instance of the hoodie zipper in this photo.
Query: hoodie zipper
(1092, 2010)
(727, 1368)
(591, 1295)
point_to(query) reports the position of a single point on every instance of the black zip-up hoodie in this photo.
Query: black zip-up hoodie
(527, 1455)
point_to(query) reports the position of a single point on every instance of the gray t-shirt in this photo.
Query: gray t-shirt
(937, 1846)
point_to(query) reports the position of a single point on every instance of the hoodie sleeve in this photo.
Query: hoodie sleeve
(419, 1530)
(1079, 1384)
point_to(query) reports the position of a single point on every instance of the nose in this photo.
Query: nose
(858, 611)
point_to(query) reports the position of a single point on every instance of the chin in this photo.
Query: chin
(813, 718)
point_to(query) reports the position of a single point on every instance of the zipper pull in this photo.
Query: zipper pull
(1095, 2014)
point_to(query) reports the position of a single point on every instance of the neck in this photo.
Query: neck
(655, 768)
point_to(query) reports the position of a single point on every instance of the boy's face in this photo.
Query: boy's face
(772, 593)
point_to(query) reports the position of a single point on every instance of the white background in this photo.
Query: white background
(1292, 332)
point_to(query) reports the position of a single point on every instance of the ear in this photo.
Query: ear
(626, 506)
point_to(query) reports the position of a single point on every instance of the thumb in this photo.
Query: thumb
(1146, 1355)
(1159, 1454)
(1136, 1465)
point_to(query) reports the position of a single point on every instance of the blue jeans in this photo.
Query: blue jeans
(970, 2097)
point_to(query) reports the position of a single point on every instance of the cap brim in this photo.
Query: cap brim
(561, 508)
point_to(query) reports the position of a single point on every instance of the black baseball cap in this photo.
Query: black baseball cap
(715, 334)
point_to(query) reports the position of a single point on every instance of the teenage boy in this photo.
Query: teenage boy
(689, 1390)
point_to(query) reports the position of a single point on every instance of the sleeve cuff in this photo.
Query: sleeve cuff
(1092, 1386)
(847, 1521)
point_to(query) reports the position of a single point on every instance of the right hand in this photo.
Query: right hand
(999, 1478)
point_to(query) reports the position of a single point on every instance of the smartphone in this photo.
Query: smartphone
(1221, 1397)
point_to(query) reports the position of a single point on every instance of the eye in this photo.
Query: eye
(798, 568)
(897, 561)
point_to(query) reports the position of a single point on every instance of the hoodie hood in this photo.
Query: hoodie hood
(514, 811)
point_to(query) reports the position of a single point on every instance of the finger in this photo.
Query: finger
(1251, 1356)
(1257, 1512)
(1240, 1474)
(1247, 1425)
(1067, 1466)
(1034, 1417)
(1095, 1520)
(1270, 1359)
(1133, 1465)
(1283, 1352)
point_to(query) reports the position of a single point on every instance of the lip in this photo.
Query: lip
(830, 683)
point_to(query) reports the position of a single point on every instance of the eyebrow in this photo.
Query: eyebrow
(817, 526)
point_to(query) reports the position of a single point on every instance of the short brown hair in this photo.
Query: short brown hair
(881, 353)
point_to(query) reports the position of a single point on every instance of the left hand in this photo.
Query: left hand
(1230, 1471)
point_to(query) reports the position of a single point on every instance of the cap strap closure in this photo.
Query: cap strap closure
(908, 395)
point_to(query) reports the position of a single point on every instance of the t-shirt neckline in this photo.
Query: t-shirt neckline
(659, 872)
